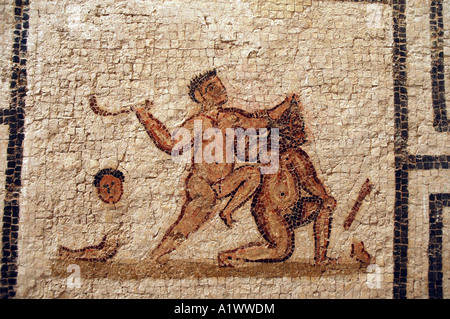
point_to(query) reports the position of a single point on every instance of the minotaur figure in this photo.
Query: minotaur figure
(291, 198)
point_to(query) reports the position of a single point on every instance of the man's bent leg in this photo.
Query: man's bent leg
(243, 182)
(194, 213)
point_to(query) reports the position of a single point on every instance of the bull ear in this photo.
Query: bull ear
(278, 111)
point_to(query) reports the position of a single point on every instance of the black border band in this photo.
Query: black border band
(435, 274)
(14, 118)
(440, 122)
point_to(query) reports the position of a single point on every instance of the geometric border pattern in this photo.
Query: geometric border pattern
(14, 117)
(435, 275)
(404, 162)
(437, 66)
(399, 54)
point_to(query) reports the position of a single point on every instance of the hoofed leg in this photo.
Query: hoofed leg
(322, 231)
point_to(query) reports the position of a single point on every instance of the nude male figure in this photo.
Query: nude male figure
(206, 183)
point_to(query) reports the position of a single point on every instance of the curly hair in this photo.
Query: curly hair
(107, 171)
(197, 81)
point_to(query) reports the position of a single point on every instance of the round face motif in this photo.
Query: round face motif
(110, 189)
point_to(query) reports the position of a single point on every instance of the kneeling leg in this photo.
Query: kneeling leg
(241, 184)
(279, 246)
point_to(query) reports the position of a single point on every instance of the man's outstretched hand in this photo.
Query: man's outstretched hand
(146, 105)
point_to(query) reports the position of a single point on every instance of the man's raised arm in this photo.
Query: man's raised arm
(259, 118)
(155, 129)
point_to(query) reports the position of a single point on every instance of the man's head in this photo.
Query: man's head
(109, 184)
(208, 90)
